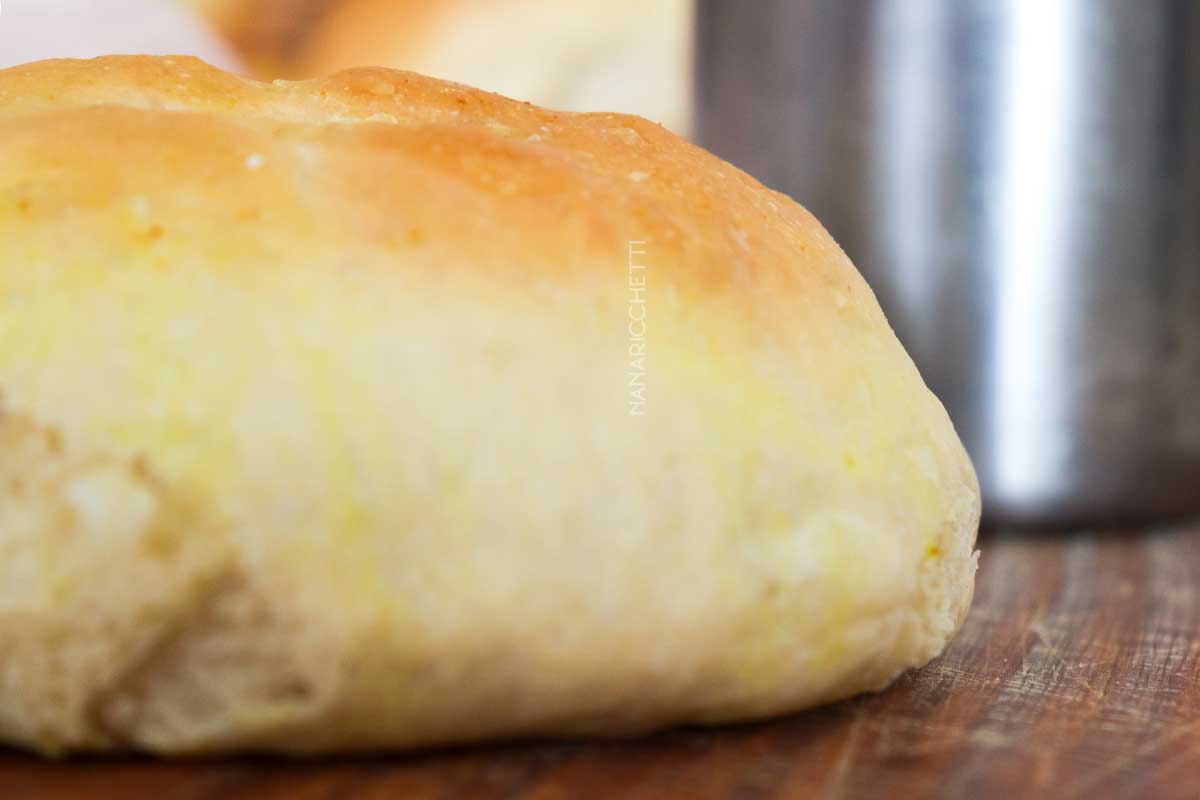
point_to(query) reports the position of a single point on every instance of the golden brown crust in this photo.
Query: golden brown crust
(600, 171)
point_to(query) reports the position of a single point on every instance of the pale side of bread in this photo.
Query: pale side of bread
(315, 431)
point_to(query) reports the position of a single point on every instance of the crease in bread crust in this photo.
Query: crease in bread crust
(178, 650)
(316, 435)
(100, 563)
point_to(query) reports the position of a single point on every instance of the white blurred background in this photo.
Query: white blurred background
(31, 30)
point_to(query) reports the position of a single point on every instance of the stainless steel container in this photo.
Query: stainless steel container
(1019, 181)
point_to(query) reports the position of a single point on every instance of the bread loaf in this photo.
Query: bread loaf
(377, 412)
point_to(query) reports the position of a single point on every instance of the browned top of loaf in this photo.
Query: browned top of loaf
(378, 157)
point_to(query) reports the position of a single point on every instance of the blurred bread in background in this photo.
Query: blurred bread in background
(590, 55)
(632, 56)
(265, 33)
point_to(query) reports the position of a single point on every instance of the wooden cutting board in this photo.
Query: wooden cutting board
(1077, 674)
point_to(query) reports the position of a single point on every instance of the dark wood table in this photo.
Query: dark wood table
(1077, 674)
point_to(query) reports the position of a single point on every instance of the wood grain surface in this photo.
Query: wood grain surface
(1077, 674)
